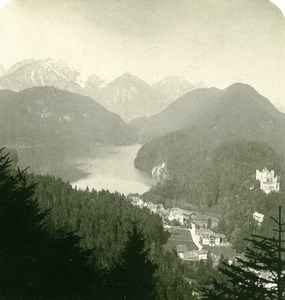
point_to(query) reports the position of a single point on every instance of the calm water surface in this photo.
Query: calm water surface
(95, 166)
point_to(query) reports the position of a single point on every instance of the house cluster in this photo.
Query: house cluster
(171, 214)
(210, 238)
(268, 181)
(185, 254)
(154, 208)
(178, 214)
(201, 237)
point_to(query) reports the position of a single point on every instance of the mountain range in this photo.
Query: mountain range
(210, 163)
(225, 136)
(236, 107)
(47, 72)
(202, 120)
(130, 97)
(127, 95)
(49, 116)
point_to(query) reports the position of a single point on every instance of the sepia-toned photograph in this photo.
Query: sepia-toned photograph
(142, 149)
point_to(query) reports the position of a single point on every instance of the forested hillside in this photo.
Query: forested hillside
(215, 141)
(102, 219)
(238, 111)
(223, 177)
(37, 261)
(73, 241)
(49, 116)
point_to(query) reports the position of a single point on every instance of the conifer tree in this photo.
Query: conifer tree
(21, 227)
(132, 276)
(259, 275)
(36, 262)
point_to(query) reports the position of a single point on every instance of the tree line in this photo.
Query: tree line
(60, 243)
(222, 179)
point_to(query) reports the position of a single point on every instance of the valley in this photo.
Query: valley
(200, 151)
(142, 150)
(197, 162)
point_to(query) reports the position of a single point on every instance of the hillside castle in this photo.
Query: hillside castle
(268, 181)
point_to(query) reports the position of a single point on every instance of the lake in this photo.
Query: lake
(92, 165)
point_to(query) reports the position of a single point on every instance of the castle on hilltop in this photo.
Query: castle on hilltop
(268, 181)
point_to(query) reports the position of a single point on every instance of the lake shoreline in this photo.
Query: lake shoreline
(97, 166)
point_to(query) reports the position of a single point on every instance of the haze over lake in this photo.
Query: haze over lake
(113, 169)
(95, 166)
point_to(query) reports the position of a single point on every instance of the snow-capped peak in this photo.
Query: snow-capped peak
(45, 72)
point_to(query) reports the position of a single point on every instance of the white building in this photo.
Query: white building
(176, 214)
(137, 201)
(258, 217)
(268, 181)
(203, 254)
(152, 207)
(210, 238)
(192, 255)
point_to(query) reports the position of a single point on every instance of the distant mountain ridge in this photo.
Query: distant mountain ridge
(128, 95)
(235, 113)
(47, 72)
(173, 87)
(210, 107)
(131, 97)
(46, 115)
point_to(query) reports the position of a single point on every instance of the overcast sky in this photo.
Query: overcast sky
(215, 41)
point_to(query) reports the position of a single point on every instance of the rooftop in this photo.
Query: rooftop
(181, 248)
(190, 255)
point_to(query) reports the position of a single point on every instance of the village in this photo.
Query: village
(193, 234)
(190, 236)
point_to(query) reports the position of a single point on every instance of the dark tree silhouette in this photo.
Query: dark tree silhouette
(132, 276)
(21, 235)
(36, 262)
(259, 275)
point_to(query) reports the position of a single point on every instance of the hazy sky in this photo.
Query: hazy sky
(215, 41)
